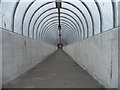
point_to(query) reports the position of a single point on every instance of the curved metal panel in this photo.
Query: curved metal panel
(90, 16)
(13, 16)
(39, 17)
(78, 18)
(35, 12)
(79, 11)
(25, 14)
(64, 9)
(53, 26)
(52, 2)
(114, 12)
(71, 21)
(61, 19)
(63, 25)
(72, 28)
(46, 29)
(57, 13)
(100, 13)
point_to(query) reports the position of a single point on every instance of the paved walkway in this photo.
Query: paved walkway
(57, 71)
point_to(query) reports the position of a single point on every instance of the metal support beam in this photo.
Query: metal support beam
(59, 18)
(58, 5)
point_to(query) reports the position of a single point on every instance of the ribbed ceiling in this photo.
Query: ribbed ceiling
(38, 19)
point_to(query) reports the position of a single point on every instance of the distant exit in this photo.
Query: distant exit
(60, 46)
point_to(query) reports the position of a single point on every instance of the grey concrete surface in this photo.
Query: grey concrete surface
(119, 57)
(0, 59)
(19, 54)
(57, 71)
(99, 56)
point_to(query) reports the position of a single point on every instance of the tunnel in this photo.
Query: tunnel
(59, 44)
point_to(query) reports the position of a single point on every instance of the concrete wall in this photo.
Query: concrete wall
(99, 56)
(21, 54)
(119, 58)
(0, 59)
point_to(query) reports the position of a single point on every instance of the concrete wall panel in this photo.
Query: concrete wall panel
(99, 56)
(119, 58)
(0, 59)
(21, 54)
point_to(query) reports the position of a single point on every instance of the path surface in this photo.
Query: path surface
(57, 71)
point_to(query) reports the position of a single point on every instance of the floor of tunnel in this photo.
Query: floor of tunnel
(57, 71)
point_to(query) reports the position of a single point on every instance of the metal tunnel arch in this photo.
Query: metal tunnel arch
(61, 8)
(65, 21)
(69, 25)
(30, 20)
(77, 25)
(54, 25)
(51, 26)
(56, 16)
(51, 14)
(46, 4)
(46, 29)
(56, 13)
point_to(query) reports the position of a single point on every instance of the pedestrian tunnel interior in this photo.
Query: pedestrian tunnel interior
(31, 30)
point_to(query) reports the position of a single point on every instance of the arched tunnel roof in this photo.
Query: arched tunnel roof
(80, 19)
